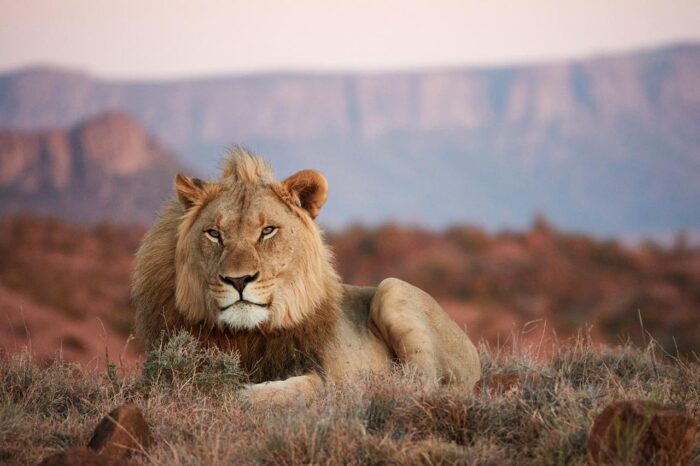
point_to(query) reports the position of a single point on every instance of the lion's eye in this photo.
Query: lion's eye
(214, 235)
(268, 232)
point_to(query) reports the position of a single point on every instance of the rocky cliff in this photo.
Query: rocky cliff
(104, 169)
(607, 145)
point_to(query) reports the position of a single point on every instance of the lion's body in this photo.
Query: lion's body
(293, 322)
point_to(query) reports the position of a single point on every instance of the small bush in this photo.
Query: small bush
(181, 361)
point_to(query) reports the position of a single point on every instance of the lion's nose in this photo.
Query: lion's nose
(239, 283)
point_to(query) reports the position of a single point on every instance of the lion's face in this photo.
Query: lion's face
(249, 255)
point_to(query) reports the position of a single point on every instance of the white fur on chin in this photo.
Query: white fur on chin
(244, 316)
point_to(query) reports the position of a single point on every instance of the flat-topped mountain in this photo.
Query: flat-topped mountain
(103, 169)
(608, 145)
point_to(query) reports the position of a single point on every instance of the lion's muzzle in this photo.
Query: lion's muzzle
(239, 283)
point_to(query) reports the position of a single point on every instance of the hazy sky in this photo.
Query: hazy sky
(169, 38)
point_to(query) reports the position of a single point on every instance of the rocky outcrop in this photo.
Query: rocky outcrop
(641, 432)
(117, 438)
(104, 169)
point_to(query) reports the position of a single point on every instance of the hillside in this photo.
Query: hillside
(606, 145)
(104, 169)
(57, 280)
(66, 287)
(495, 283)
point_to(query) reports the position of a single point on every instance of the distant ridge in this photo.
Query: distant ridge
(607, 145)
(104, 169)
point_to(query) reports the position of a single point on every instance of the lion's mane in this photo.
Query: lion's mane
(168, 295)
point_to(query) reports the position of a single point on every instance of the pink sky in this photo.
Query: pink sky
(171, 38)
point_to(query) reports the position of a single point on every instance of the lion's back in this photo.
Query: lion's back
(396, 321)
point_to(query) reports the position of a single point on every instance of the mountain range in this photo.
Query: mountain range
(106, 169)
(608, 145)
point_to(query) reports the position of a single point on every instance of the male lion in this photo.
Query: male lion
(241, 264)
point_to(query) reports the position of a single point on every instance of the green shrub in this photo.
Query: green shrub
(181, 361)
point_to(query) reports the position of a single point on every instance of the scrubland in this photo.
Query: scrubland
(190, 399)
(58, 279)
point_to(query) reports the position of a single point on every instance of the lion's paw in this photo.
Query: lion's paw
(267, 393)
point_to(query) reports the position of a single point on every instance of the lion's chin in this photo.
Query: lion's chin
(244, 316)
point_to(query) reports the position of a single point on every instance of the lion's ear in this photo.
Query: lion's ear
(310, 187)
(190, 191)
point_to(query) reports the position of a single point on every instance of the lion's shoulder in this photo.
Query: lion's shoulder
(355, 304)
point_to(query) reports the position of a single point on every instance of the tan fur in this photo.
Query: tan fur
(294, 323)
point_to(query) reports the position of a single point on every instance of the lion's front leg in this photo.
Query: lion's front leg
(302, 387)
(422, 335)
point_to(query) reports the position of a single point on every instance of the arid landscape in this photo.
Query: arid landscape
(66, 287)
(549, 202)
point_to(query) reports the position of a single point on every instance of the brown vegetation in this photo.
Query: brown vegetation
(197, 417)
(66, 287)
(56, 280)
(495, 283)
(82, 456)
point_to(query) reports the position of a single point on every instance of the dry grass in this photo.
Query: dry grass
(189, 397)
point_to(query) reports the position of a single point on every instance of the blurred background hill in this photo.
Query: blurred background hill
(607, 145)
(529, 164)
(103, 169)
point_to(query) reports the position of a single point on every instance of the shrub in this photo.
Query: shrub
(181, 361)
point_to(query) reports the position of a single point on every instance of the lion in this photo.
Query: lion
(241, 263)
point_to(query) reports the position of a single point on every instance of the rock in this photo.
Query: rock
(502, 383)
(82, 456)
(121, 433)
(641, 432)
(118, 435)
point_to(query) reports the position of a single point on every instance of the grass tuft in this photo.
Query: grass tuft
(181, 362)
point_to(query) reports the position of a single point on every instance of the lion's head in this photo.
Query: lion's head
(248, 253)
